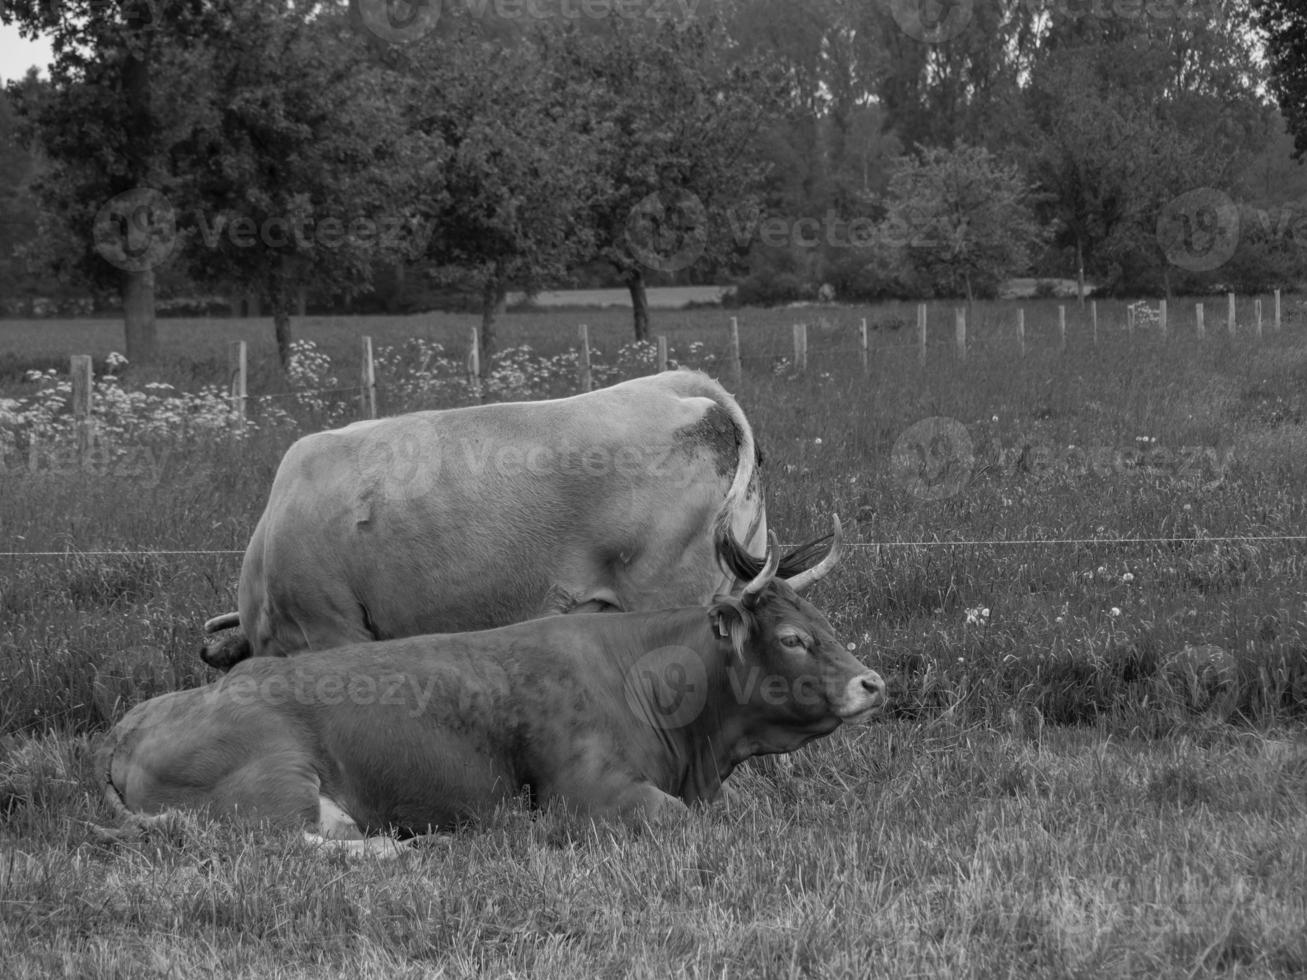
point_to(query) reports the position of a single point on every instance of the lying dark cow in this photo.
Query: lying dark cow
(471, 518)
(631, 715)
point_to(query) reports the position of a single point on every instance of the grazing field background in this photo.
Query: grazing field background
(1095, 763)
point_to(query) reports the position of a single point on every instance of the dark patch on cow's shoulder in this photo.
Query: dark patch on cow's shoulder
(716, 433)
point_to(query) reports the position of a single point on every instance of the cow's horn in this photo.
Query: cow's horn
(769, 567)
(805, 578)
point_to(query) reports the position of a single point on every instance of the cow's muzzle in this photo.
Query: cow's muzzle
(863, 696)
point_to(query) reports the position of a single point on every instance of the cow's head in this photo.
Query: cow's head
(795, 678)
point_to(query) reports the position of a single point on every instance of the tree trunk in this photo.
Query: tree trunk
(971, 300)
(494, 299)
(139, 328)
(639, 303)
(281, 318)
(1080, 272)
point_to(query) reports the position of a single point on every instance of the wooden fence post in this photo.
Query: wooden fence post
(474, 363)
(800, 347)
(1130, 321)
(80, 368)
(1277, 311)
(1198, 320)
(1061, 328)
(1161, 317)
(1230, 321)
(960, 332)
(862, 337)
(1093, 317)
(584, 379)
(368, 378)
(662, 354)
(1021, 331)
(1257, 316)
(921, 332)
(736, 367)
(237, 367)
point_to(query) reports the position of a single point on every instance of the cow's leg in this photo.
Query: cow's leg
(634, 803)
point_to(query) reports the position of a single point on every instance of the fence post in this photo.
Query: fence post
(862, 337)
(1130, 321)
(1021, 331)
(1230, 321)
(921, 332)
(80, 368)
(1257, 316)
(800, 331)
(583, 362)
(368, 377)
(474, 363)
(1277, 311)
(1093, 317)
(662, 354)
(1161, 317)
(960, 332)
(1198, 319)
(736, 368)
(1061, 328)
(237, 365)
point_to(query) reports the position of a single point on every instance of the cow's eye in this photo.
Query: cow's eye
(791, 640)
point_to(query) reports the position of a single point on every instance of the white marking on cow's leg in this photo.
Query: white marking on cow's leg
(334, 823)
(382, 848)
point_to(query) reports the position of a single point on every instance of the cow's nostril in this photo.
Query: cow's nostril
(873, 684)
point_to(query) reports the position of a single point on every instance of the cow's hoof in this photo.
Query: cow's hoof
(226, 651)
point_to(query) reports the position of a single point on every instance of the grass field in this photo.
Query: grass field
(1058, 789)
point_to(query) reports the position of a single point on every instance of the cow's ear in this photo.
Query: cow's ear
(731, 621)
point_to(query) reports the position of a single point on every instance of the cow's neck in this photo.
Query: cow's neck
(701, 751)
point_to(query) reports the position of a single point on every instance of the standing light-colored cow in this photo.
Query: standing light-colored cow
(478, 517)
(632, 715)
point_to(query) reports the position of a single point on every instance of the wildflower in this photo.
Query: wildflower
(1127, 578)
(1115, 611)
(1058, 620)
(817, 441)
(1102, 570)
(994, 419)
(852, 647)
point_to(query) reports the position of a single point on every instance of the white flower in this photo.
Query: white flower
(1114, 611)
(984, 613)
(1127, 578)
(994, 419)
(817, 441)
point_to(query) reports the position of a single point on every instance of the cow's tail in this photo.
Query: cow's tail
(225, 652)
(746, 475)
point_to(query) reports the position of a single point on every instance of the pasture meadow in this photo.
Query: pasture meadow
(1094, 765)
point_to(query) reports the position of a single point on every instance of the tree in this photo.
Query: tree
(121, 96)
(960, 219)
(509, 202)
(301, 173)
(679, 120)
(1283, 24)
